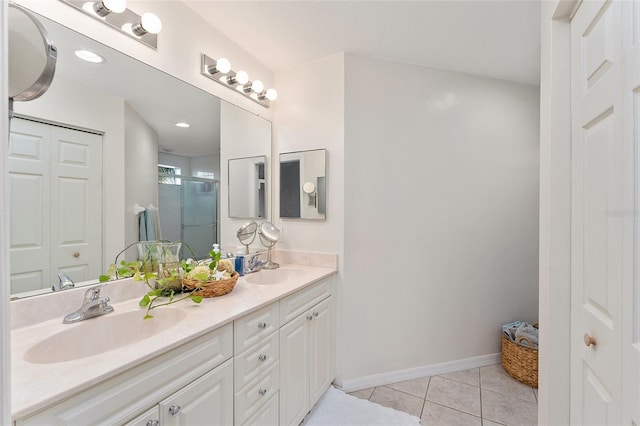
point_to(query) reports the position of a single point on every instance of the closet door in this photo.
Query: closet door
(30, 201)
(76, 208)
(55, 177)
(602, 175)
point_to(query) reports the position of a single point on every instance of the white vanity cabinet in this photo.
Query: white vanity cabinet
(193, 376)
(307, 350)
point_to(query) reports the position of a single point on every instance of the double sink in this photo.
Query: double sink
(119, 329)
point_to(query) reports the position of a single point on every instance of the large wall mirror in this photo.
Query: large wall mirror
(303, 184)
(115, 122)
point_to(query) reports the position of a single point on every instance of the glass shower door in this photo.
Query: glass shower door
(199, 226)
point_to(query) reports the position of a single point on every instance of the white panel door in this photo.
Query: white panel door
(56, 204)
(598, 214)
(29, 189)
(631, 293)
(76, 216)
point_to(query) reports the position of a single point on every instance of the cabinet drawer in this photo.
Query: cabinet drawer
(256, 360)
(295, 304)
(256, 394)
(268, 415)
(254, 327)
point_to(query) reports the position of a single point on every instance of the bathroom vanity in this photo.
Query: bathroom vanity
(263, 354)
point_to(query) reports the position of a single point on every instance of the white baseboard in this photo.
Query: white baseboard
(353, 385)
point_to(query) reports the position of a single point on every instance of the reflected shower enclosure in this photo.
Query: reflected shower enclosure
(188, 208)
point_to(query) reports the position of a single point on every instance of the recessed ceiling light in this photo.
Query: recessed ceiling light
(183, 124)
(90, 56)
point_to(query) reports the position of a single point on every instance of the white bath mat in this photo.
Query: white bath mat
(336, 408)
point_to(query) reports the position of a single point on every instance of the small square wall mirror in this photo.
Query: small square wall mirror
(303, 193)
(247, 187)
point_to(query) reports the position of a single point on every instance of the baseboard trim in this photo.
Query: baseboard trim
(353, 385)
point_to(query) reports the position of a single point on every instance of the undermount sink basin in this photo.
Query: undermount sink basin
(101, 334)
(274, 276)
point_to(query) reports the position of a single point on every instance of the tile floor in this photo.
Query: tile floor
(485, 396)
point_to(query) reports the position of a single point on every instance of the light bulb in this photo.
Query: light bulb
(271, 94)
(223, 65)
(116, 6)
(151, 23)
(242, 77)
(257, 86)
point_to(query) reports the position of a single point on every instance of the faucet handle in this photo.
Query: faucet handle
(92, 294)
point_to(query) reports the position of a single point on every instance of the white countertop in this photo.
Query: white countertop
(38, 386)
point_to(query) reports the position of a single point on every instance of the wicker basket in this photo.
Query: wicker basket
(211, 288)
(519, 361)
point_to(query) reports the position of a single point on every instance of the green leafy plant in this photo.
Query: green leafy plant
(162, 290)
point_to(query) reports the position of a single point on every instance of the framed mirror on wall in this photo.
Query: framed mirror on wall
(248, 187)
(303, 191)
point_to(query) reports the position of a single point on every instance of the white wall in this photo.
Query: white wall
(141, 170)
(441, 215)
(310, 115)
(433, 181)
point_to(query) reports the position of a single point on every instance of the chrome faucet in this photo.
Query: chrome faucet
(92, 306)
(254, 264)
(65, 283)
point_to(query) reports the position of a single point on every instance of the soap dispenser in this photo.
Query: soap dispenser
(239, 265)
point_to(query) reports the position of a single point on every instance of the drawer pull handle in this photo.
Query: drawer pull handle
(153, 423)
(262, 325)
(262, 357)
(309, 317)
(315, 314)
(174, 410)
(262, 392)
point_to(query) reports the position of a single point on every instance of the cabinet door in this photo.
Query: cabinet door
(206, 401)
(321, 350)
(267, 415)
(294, 374)
(150, 417)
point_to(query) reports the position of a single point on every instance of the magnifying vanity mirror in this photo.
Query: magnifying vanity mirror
(116, 121)
(32, 55)
(303, 184)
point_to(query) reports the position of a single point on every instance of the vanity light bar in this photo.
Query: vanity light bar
(143, 28)
(220, 71)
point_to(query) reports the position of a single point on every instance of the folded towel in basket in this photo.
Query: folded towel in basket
(529, 331)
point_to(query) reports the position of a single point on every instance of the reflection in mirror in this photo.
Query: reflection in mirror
(146, 161)
(247, 187)
(303, 184)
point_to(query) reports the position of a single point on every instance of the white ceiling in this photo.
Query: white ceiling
(498, 39)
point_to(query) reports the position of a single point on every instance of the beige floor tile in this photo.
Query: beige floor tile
(508, 409)
(363, 393)
(495, 379)
(415, 387)
(397, 400)
(486, 422)
(470, 377)
(439, 415)
(450, 393)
